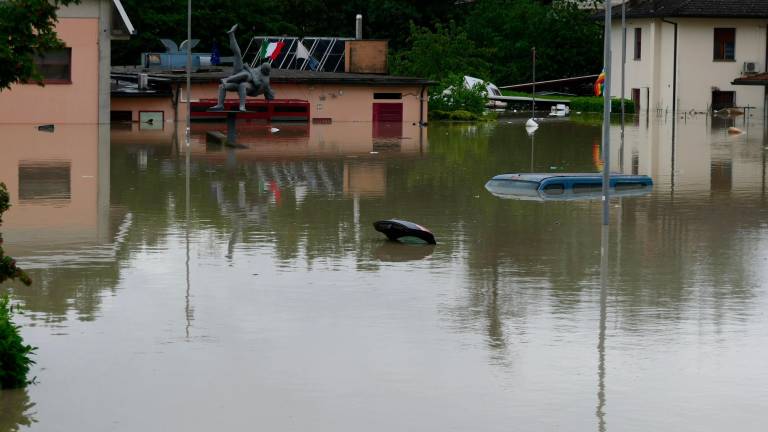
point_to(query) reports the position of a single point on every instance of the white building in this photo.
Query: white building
(683, 55)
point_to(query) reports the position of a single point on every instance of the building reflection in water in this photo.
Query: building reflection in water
(61, 226)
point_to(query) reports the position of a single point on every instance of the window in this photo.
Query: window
(387, 95)
(638, 42)
(55, 66)
(587, 187)
(725, 44)
(554, 189)
(722, 99)
(120, 116)
(636, 99)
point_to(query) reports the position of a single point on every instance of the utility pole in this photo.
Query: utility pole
(607, 112)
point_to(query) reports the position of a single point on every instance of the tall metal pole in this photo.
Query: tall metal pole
(607, 111)
(533, 92)
(189, 71)
(623, 70)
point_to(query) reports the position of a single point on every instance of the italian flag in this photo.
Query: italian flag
(270, 50)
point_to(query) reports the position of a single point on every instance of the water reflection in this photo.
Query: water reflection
(18, 411)
(264, 257)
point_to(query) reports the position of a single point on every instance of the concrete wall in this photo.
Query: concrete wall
(697, 72)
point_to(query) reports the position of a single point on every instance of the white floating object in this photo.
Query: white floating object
(273, 130)
(531, 129)
(531, 123)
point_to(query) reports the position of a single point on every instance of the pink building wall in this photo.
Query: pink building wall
(77, 102)
(339, 102)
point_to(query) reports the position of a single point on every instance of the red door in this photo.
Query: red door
(387, 120)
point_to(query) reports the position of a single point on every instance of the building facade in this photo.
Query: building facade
(684, 55)
(76, 78)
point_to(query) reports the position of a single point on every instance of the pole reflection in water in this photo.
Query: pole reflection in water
(187, 308)
(600, 411)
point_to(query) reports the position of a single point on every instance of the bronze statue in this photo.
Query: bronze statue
(244, 80)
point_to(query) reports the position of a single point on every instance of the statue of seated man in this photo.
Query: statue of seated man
(244, 80)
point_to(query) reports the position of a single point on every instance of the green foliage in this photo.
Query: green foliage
(8, 269)
(595, 104)
(27, 28)
(567, 39)
(14, 354)
(453, 95)
(441, 54)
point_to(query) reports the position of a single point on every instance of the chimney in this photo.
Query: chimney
(359, 26)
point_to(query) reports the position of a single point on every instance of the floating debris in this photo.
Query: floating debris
(404, 231)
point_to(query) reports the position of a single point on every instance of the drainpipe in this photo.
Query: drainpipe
(674, 69)
(421, 105)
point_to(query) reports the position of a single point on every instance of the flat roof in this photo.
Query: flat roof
(277, 76)
(760, 79)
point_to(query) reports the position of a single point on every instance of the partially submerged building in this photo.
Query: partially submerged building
(683, 55)
(347, 82)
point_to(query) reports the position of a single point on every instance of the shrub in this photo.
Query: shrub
(14, 354)
(452, 95)
(595, 104)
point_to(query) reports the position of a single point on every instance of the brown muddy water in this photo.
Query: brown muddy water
(250, 291)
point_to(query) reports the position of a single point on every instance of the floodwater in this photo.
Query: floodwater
(209, 289)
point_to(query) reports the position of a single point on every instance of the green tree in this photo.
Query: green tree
(27, 29)
(442, 53)
(567, 38)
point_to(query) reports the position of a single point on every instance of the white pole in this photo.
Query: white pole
(533, 92)
(607, 112)
(623, 69)
(189, 71)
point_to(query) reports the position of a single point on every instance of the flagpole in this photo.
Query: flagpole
(607, 112)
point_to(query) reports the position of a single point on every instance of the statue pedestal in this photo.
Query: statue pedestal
(231, 137)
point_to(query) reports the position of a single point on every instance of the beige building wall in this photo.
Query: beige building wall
(697, 73)
(86, 28)
(76, 102)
